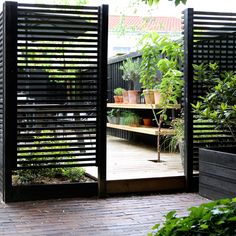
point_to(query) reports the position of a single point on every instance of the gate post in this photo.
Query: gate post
(188, 97)
(9, 95)
(102, 96)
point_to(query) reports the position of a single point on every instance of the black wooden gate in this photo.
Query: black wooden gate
(208, 37)
(53, 95)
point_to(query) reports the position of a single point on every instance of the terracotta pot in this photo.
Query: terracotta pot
(134, 96)
(157, 97)
(125, 97)
(147, 122)
(118, 99)
(149, 96)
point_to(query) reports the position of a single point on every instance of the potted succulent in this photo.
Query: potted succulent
(219, 107)
(132, 119)
(113, 116)
(118, 97)
(131, 73)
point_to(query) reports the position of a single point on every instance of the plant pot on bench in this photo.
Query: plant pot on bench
(217, 172)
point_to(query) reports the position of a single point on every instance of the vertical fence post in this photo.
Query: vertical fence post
(188, 97)
(10, 94)
(102, 93)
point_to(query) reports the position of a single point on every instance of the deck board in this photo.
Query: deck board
(126, 160)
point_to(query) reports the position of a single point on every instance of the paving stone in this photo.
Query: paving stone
(115, 216)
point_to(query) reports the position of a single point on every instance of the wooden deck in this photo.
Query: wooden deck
(126, 161)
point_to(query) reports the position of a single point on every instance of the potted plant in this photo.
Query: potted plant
(161, 58)
(150, 56)
(218, 106)
(147, 122)
(131, 73)
(113, 116)
(125, 96)
(123, 114)
(118, 97)
(132, 119)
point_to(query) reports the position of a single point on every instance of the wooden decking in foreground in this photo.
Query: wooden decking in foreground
(132, 167)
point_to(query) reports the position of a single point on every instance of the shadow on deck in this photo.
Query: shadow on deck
(132, 168)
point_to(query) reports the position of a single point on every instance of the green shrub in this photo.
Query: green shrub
(74, 173)
(41, 143)
(132, 119)
(217, 218)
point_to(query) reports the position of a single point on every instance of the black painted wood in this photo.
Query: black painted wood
(1, 110)
(208, 37)
(102, 88)
(10, 95)
(188, 94)
(54, 110)
(217, 176)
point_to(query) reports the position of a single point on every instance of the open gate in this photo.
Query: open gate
(53, 95)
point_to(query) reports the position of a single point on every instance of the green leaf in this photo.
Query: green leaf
(233, 218)
(204, 226)
(170, 215)
(156, 226)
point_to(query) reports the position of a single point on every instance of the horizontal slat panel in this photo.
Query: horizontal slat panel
(57, 86)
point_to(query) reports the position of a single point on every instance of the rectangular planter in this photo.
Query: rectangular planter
(217, 172)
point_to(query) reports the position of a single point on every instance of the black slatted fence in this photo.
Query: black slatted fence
(1, 105)
(57, 107)
(208, 37)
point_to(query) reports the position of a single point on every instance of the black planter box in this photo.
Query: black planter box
(217, 172)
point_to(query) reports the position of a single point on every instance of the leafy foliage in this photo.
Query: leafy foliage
(160, 54)
(151, 46)
(131, 118)
(73, 174)
(41, 143)
(113, 112)
(118, 91)
(152, 2)
(217, 218)
(131, 71)
(178, 127)
(163, 55)
(219, 103)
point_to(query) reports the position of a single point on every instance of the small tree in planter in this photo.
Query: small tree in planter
(150, 49)
(160, 54)
(131, 73)
(163, 55)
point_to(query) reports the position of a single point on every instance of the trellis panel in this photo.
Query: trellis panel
(208, 37)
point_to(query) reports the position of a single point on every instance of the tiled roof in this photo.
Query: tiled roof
(137, 23)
